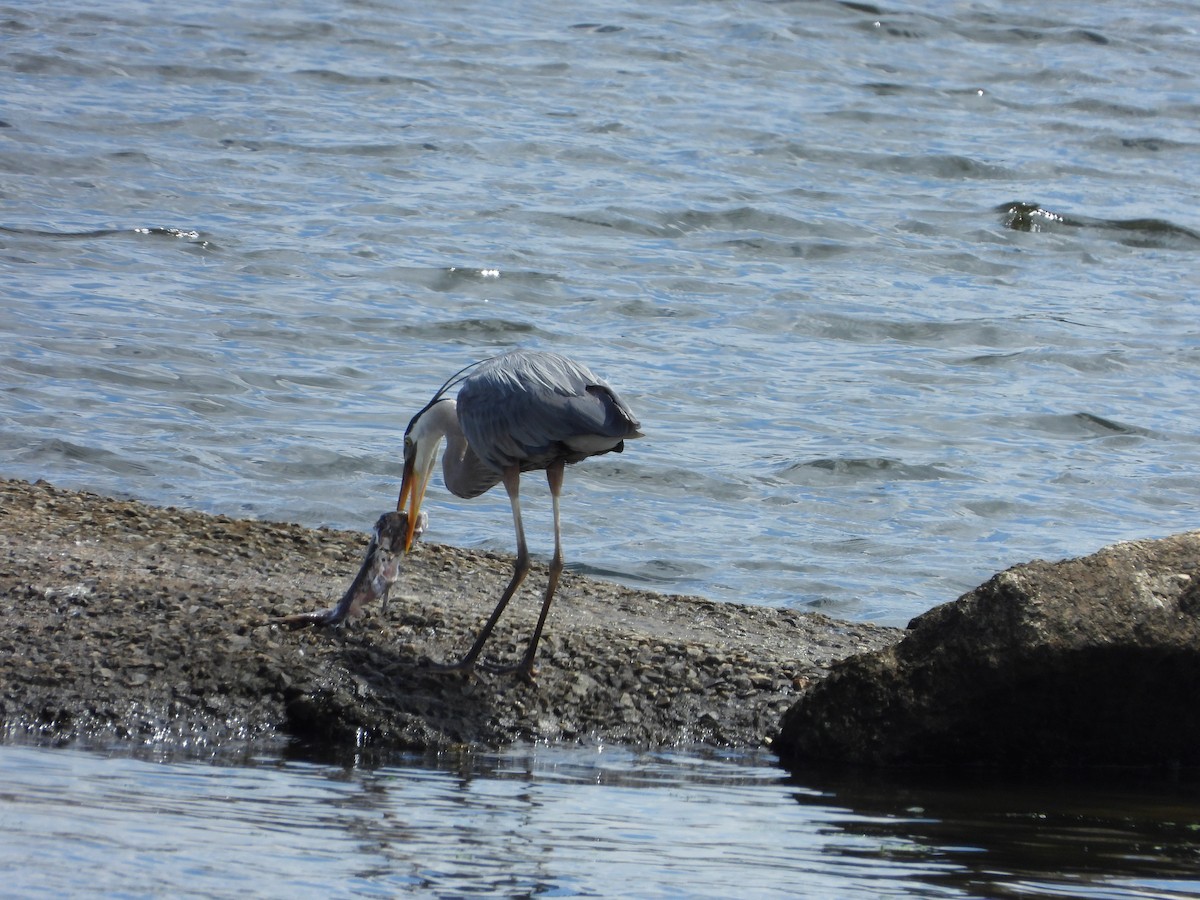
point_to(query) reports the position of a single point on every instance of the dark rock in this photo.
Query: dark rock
(120, 620)
(1081, 663)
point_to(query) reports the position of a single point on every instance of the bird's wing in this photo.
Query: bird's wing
(525, 406)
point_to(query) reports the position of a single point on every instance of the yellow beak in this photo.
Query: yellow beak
(412, 491)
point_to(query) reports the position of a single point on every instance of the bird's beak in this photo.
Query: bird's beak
(412, 492)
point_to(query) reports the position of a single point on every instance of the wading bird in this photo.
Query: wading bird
(522, 411)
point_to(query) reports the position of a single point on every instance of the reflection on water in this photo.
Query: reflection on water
(1117, 836)
(567, 822)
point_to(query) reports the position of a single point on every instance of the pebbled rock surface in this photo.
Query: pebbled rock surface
(122, 620)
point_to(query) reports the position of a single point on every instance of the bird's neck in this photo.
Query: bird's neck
(465, 474)
(441, 421)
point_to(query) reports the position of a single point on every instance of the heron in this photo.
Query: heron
(522, 411)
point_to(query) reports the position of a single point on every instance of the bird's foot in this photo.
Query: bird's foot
(322, 618)
(525, 670)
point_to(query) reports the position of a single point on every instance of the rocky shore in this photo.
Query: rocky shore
(1088, 663)
(119, 620)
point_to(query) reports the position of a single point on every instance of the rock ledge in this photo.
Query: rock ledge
(121, 620)
(1085, 663)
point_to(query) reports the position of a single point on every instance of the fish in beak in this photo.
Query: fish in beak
(418, 467)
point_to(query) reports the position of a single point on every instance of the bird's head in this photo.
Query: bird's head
(421, 440)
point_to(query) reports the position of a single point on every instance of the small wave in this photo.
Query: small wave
(70, 453)
(455, 277)
(932, 165)
(1028, 35)
(185, 234)
(192, 74)
(597, 28)
(1080, 361)
(1148, 144)
(811, 250)
(1087, 425)
(867, 468)
(869, 8)
(937, 165)
(476, 329)
(330, 76)
(1031, 217)
(678, 222)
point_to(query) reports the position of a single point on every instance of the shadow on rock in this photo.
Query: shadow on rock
(1088, 662)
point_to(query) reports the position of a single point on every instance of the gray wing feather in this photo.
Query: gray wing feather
(525, 406)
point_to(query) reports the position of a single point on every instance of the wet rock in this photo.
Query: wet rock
(1081, 663)
(122, 620)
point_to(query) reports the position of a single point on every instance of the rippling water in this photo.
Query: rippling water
(902, 294)
(547, 822)
(242, 245)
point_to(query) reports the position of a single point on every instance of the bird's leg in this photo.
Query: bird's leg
(512, 484)
(554, 476)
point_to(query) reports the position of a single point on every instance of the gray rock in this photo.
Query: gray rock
(162, 626)
(1086, 662)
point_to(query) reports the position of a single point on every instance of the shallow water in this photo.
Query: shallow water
(549, 822)
(902, 295)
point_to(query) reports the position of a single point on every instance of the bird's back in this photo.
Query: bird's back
(531, 407)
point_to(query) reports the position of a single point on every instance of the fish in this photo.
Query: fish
(378, 572)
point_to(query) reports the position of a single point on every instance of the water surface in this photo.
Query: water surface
(242, 246)
(550, 822)
(903, 295)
